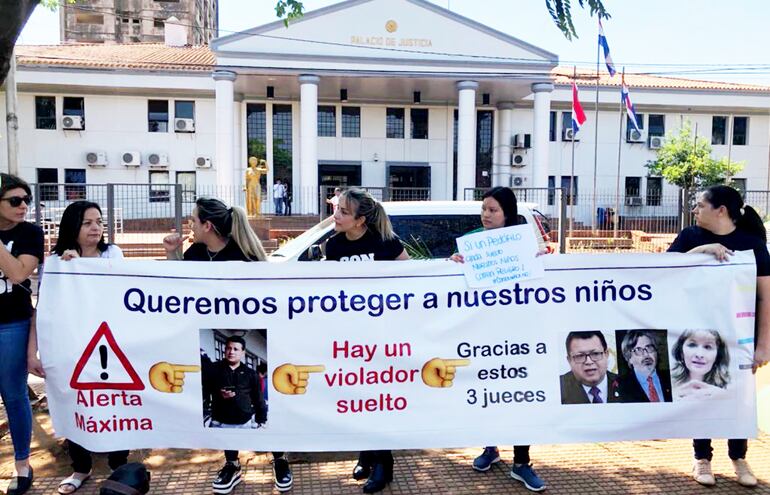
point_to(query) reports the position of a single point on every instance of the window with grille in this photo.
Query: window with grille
(394, 123)
(351, 122)
(327, 121)
(45, 112)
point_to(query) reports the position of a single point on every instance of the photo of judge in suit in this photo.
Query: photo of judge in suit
(588, 381)
(646, 379)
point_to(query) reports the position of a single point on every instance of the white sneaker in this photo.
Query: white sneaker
(701, 472)
(744, 474)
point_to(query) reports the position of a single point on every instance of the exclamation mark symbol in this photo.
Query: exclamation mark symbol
(103, 356)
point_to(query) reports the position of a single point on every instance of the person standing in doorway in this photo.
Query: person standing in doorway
(278, 197)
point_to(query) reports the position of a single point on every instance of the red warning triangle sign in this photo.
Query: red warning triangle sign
(105, 332)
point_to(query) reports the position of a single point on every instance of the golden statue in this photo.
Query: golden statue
(253, 187)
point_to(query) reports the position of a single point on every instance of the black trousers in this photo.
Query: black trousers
(736, 448)
(232, 455)
(82, 462)
(372, 457)
(520, 454)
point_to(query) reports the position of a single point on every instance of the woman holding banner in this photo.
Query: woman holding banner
(21, 251)
(364, 233)
(723, 224)
(499, 209)
(220, 233)
(81, 235)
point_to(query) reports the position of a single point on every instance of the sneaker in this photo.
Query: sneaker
(701, 472)
(527, 475)
(483, 462)
(227, 478)
(282, 475)
(743, 472)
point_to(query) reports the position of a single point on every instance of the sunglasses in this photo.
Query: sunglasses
(15, 201)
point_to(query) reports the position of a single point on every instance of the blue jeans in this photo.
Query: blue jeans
(13, 384)
(278, 206)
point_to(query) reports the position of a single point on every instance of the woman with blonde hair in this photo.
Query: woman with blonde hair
(224, 234)
(364, 233)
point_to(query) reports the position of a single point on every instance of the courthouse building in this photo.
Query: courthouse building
(380, 93)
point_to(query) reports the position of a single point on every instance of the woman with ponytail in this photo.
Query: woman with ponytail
(219, 234)
(723, 224)
(364, 233)
(223, 234)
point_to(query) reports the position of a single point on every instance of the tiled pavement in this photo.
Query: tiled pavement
(601, 468)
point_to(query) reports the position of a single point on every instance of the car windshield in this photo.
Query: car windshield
(433, 236)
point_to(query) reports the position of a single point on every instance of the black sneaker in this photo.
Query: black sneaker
(282, 475)
(227, 478)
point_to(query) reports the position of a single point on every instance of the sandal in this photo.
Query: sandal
(72, 481)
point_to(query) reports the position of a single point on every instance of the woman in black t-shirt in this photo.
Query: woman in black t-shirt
(364, 233)
(723, 224)
(21, 251)
(220, 233)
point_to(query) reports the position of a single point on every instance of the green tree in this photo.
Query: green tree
(685, 161)
(561, 13)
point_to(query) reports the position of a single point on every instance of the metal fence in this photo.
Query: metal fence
(605, 222)
(379, 193)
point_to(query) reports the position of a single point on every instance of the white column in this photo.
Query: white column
(540, 129)
(501, 172)
(466, 137)
(308, 143)
(225, 128)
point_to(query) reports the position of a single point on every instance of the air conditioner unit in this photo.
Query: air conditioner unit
(518, 181)
(184, 125)
(522, 141)
(96, 159)
(635, 136)
(519, 159)
(568, 135)
(634, 201)
(157, 160)
(656, 142)
(72, 122)
(203, 162)
(131, 158)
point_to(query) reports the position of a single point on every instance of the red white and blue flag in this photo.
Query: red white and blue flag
(578, 115)
(629, 106)
(606, 48)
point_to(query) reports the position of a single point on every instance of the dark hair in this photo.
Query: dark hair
(507, 200)
(719, 374)
(632, 337)
(374, 214)
(9, 182)
(231, 223)
(236, 339)
(70, 225)
(585, 335)
(262, 368)
(746, 220)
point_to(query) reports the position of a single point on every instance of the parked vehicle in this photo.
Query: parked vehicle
(427, 228)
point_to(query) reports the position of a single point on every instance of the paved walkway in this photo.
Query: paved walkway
(602, 468)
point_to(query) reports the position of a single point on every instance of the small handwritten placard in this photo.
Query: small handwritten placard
(500, 256)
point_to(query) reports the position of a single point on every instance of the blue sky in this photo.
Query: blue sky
(644, 35)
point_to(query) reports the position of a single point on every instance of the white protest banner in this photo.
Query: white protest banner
(500, 256)
(396, 354)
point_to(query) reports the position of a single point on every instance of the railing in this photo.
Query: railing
(379, 193)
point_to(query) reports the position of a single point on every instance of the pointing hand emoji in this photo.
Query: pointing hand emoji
(291, 379)
(440, 372)
(169, 378)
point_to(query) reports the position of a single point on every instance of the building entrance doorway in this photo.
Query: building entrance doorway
(409, 182)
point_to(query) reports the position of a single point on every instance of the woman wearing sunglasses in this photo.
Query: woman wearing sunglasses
(20, 254)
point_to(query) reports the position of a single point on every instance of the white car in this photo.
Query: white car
(430, 227)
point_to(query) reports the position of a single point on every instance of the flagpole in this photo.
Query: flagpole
(572, 168)
(596, 134)
(616, 218)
